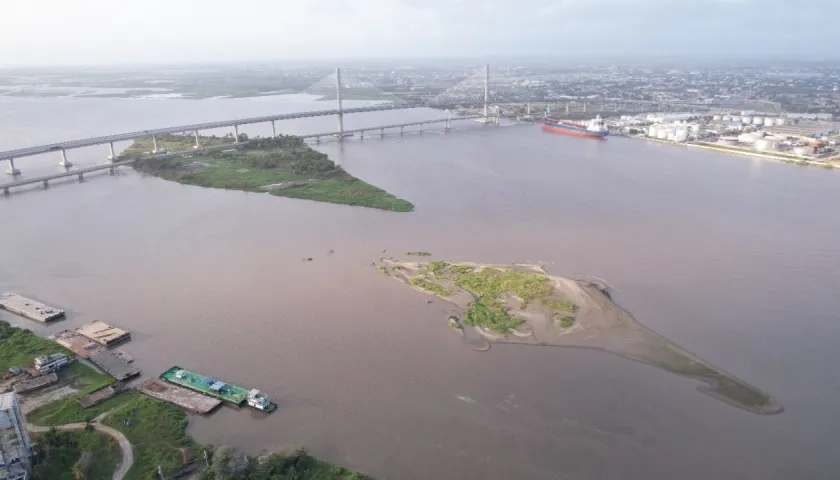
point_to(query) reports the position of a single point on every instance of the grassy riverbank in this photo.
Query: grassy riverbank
(19, 347)
(284, 166)
(70, 455)
(156, 430)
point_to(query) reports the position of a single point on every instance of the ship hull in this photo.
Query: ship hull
(576, 130)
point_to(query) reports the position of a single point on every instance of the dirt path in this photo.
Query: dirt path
(125, 446)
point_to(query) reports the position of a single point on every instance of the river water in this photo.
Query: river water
(735, 259)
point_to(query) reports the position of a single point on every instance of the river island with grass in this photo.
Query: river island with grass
(522, 304)
(283, 166)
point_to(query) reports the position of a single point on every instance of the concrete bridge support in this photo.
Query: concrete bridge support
(197, 144)
(486, 90)
(12, 170)
(273, 130)
(154, 144)
(64, 162)
(381, 133)
(361, 135)
(112, 156)
(401, 130)
(81, 177)
(340, 110)
(236, 134)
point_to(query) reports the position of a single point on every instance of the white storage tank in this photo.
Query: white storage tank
(662, 134)
(769, 122)
(670, 136)
(653, 130)
(746, 120)
(746, 138)
(735, 118)
(695, 128)
(716, 118)
(758, 121)
(763, 144)
(780, 121)
(802, 151)
(681, 135)
(731, 141)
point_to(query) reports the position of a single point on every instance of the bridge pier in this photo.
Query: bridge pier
(81, 177)
(64, 162)
(12, 170)
(340, 110)
(401, 130)
(273, 130)
(361, 134)
(112, 156)
(197, 144)
(318, 140)
(46, 183)
(381, 133)
(236, 134)
(6, 191)
(112, 170)
(154, 144)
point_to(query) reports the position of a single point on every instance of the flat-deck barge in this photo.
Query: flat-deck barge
(186, 399)
(29, 308)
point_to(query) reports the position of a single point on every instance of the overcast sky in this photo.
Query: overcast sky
(44, 32)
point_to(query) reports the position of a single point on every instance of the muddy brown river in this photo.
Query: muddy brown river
(734, 259)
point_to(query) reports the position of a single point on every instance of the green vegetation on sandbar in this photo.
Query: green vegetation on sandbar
(429, 286)
(565, 322)
(490, 283)
(284, 166)
(558, 305)
(418, 254)
(76, 454)
(492, 315)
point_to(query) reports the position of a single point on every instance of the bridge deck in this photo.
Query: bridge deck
(107, 166)
(87, 142)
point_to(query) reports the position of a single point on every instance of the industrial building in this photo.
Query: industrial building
(15, 445)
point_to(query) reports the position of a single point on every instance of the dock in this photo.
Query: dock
(102, 333)
(98, 396)
(38, 382)
(29, 308)
(113, 364)
(78, 344)
(182, 397)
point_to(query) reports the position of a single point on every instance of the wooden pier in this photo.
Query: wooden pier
(29, 308)
(182, 397)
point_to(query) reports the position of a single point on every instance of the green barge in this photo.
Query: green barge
(214, 388)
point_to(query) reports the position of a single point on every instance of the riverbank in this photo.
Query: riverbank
(522, 304)
(829, 163)
(156, 430)
(283, 166)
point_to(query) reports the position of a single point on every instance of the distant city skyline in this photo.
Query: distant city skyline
(100, 32)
